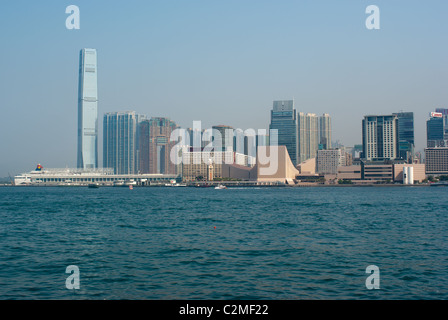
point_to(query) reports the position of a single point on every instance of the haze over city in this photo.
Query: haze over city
(218, 62)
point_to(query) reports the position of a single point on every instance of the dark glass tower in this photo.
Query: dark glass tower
(435, 132)
(284, 119)
(405, 135)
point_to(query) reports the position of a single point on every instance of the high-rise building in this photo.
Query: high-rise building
(325, 131)
(226, 143)
(308, 135)
(120, 141)
(157, 158)
(284, 120)
(405, 135)
(87, 110)
(444, 113)
(435, 130)
(195, 139)
(143, 146)
(380, 137)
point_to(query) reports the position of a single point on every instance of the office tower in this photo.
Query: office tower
(284, 120)
(325, 131)
(87, 110)
(120, 141)
(435, 130)
(143, 146)
(308, 135)
(227, 139)
(195, 139)
(160, 146)
(444, 113)
(380, 137)
(405, 135)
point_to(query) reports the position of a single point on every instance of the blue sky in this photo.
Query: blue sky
(221, 62)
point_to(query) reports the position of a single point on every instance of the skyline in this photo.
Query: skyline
(209, 62)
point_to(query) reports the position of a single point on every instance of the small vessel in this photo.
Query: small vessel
(94, 185)
(219, 187)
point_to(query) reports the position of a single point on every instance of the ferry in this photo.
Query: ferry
(84, 177)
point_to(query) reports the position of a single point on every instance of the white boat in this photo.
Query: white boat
(220, 187)
(175, 185)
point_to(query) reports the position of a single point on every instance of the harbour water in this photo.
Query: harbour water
(238, 243)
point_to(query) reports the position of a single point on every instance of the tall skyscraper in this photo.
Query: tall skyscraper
(155, 151)
(284, 120)
(325, 131)
(405, 135)
(308, 135)
(435, 130)
(88, 110)
(120, 142)
(227, 141)
(380, 137)
(143, 146)
(444, 113)
(195, 139)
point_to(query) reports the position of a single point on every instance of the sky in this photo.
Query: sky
(220, 62)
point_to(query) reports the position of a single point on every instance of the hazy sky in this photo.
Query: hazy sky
(221, 62)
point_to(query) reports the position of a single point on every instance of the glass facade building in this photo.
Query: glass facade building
(120, 142)
(444, 113)
(435, 132)
(284, 120)
(405, 135)
(325, 131)
(87, 110)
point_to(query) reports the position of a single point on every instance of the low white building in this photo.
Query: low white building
(328, 161)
